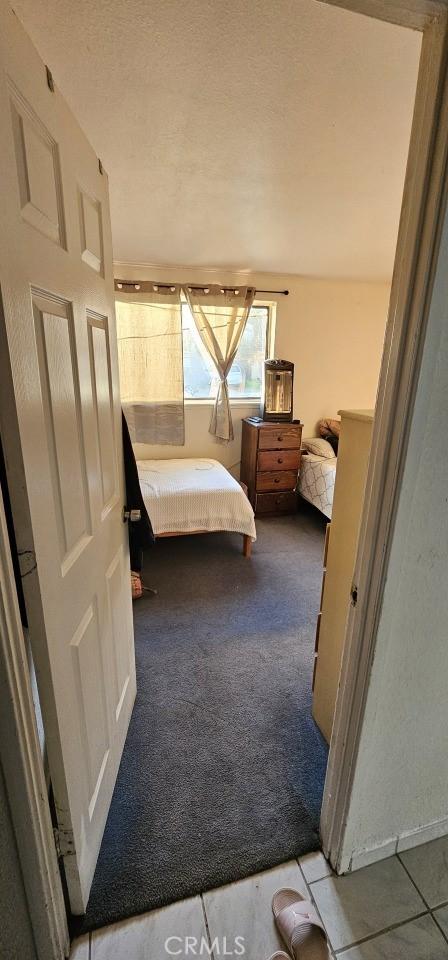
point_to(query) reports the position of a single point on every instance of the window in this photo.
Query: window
(245, 377)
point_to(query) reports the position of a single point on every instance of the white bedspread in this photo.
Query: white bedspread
(183, 496)
(316, 481)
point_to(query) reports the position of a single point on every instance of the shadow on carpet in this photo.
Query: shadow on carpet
(223, 769)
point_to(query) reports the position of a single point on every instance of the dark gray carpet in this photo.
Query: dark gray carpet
(223, 769)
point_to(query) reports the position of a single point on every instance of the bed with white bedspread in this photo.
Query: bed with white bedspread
(194, 495)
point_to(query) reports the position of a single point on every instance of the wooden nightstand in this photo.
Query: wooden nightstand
(270, 460)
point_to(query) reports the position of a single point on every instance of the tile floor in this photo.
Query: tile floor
(396, 909)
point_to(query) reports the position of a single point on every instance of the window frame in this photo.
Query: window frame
(131, 297)
(253, 401)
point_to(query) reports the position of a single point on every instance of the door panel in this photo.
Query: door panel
(38, 169)
(91, 229)
(61, 427)
(116, 584)
(101, 378)
(88, 670)
(56, 350)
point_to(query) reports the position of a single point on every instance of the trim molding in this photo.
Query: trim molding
(405, 841)
(414, 14)
(429, 831)
(210, 271)
(24, 774)
(363, 858)
(221, 273)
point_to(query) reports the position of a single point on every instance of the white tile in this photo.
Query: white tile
(243, 909)
(314, 867)
(418, 940)
(80, 948)
(145, 937)
(441, 915)
(428, 867)
(366, 902)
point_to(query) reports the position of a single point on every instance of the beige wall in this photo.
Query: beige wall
(332, 330)
(199, 442)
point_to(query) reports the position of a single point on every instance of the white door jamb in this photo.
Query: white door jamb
(21, 759)
(418, 238)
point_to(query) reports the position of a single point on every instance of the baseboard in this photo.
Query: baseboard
(405, 841)
(363, 858)
(429, 831)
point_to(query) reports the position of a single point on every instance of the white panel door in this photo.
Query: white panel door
(61, 428)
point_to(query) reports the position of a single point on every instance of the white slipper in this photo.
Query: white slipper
(299, 926)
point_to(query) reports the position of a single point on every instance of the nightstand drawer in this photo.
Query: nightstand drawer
(279, 460)
(275, 503)
(280, 436)
(276, 480)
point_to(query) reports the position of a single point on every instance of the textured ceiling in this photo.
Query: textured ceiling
(250, 134)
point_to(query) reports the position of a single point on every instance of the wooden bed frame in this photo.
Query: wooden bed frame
(247, 541)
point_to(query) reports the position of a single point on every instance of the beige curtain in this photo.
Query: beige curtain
(220, 316)
(151, 366)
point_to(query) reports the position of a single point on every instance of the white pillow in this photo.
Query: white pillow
(318, 446)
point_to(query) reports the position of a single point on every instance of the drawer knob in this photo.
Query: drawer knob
(280, 460)
(277, 480)
(279, 439)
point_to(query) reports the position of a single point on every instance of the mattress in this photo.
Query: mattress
(316, 481)
(184, 496)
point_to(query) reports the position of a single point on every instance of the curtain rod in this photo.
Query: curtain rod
(152, 284)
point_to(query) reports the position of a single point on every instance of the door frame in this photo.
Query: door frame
(417, 247)
(21, 760)
(411, 289)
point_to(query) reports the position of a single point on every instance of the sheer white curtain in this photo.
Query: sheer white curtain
(150, 361)
(220, 316)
